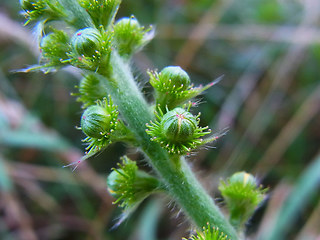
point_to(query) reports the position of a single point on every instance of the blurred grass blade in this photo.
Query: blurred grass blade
(39, 140)
(296, 201)
(5, 180)
(149, 220)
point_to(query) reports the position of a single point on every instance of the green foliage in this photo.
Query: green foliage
(234, 55)
(270, 75)
(102, 49)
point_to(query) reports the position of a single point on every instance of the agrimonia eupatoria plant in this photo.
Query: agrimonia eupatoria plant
(114, 109)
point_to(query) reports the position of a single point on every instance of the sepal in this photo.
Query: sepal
(242, 195)
(130, 186)
(208, 233)
(173, 87)
(90, 90)
(35, 10)
(130, 37)
(102, 12)
(54, 48)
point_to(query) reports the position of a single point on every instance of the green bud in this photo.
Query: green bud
(242, 196)
(129, 36)
(208, 233)
(90, 90)
(243, 178)
(95, 121)
(175, 78)
(178, 125)
(113, 181)
(177, 131)
(86, 42)
(129, 185)
(91, 49)
(102, 126)
(54, 48)
(172, 87)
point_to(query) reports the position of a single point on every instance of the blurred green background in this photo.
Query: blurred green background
(269, 54)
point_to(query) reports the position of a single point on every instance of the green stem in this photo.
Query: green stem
(180, 181)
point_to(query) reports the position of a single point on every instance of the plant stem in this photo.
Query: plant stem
(179, 179)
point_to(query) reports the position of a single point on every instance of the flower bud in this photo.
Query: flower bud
(102, 126)
(178, 125)
(129, 185)
(86, 42)
(90, 90)
(172, 87)
(177, 131)
(128, 36)
(243, 178)
(95, 121)
(54, 48)
(175, 77)
(113, 181)
(242, 196)
(209, 233)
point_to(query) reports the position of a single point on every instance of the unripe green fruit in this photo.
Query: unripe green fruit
(131, 23)
(128, 36)
(86, 42)
(242, 196)
(55, 46)
(178, 125)
(95, 121)
(177, 131)
(48, 40)
(242, 177)
(113, 182)
(177, 76)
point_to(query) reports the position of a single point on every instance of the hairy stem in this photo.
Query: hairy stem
(179, 179)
